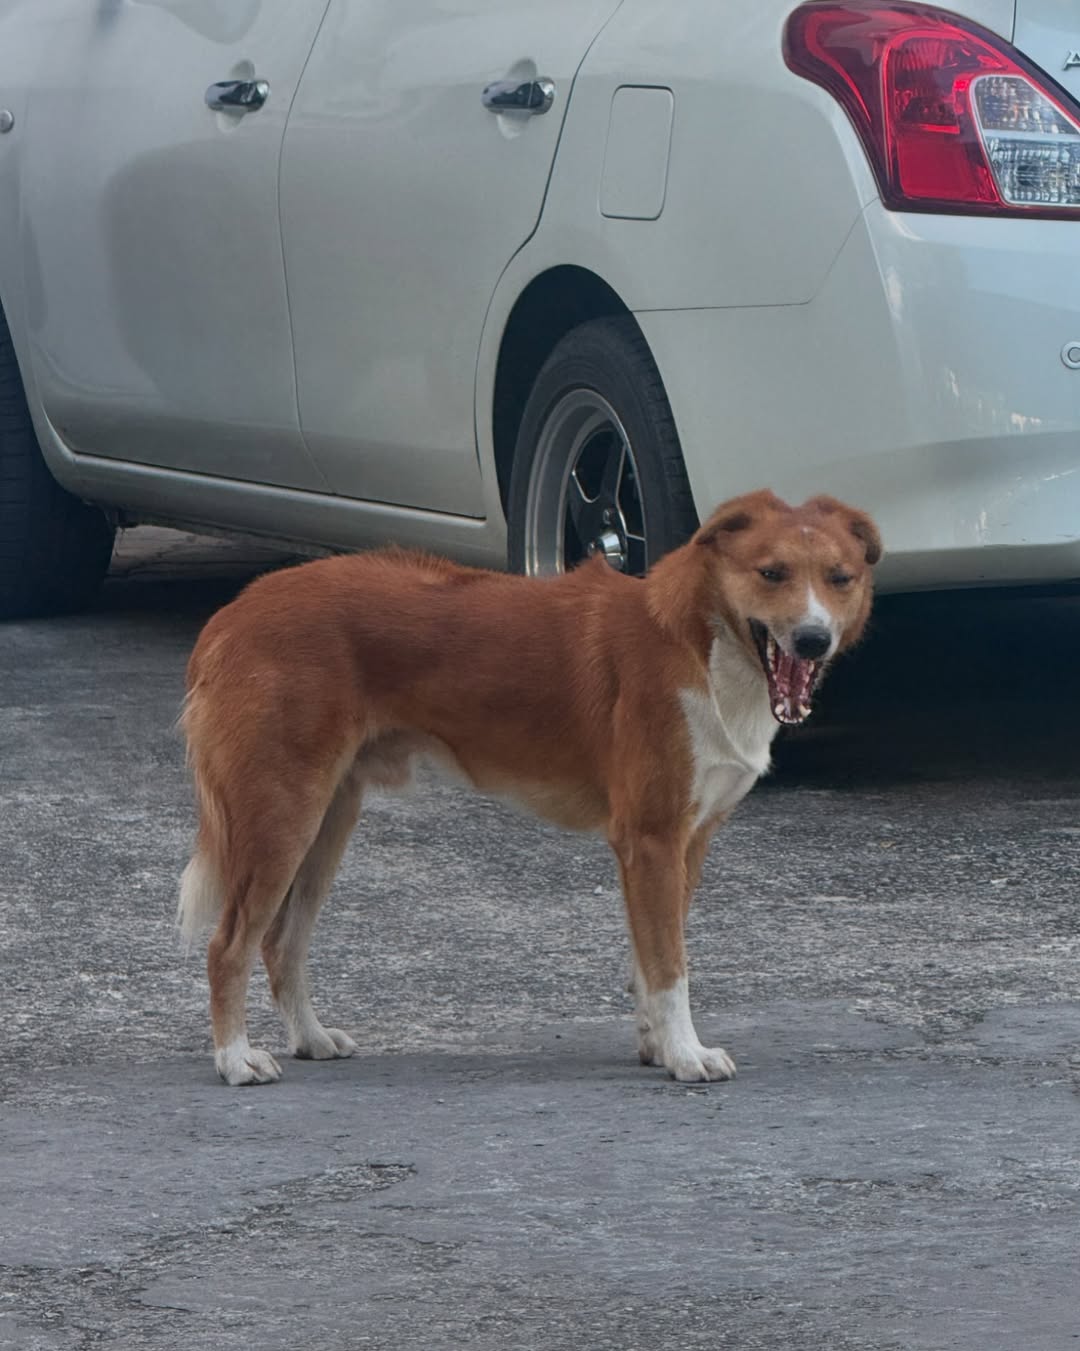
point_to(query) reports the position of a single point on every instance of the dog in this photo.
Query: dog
(643, 708)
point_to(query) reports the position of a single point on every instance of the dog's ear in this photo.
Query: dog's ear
(714, 531)
(858, 522)
(862, 527)
(732, 518)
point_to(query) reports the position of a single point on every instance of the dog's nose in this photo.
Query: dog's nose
(811, 641)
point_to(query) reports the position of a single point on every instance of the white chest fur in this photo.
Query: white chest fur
(731, 728)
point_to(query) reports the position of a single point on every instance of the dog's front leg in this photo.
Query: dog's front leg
(655, 886)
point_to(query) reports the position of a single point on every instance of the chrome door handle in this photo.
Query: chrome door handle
(237, 96)
(508, 96)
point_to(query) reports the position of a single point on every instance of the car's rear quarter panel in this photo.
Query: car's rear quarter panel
(764, 182)
(813, 341)
(737, 226)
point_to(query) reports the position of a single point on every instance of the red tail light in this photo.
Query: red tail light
(952, 117)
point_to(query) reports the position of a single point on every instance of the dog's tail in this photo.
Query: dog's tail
(200, 898)
(201, 889)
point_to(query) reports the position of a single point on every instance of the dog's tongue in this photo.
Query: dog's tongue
(791, 683)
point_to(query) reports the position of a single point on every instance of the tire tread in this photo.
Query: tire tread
(599, 341)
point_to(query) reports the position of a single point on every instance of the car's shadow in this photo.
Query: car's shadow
(175, 600)
(947, 686)
(154, 582)
(944, 686)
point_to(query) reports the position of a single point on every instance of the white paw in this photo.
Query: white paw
(666, 1037)
(324, 1043)
(696, 1064)
(239, 1063)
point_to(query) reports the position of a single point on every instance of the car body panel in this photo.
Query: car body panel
(1048, 31)
(807, 338)
(311, 522)
(997, 15)
(733, 230)
(935, 392)
(158, 326)
(424, 196)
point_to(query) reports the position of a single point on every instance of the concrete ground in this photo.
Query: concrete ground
(886, 939)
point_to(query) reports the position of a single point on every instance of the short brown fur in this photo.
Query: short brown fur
(564, 693)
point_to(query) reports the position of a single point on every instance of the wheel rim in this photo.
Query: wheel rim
(584, 494)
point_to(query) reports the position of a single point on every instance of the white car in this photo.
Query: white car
(523, 280)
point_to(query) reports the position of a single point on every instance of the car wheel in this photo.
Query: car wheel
(597, 466)
(54, 549)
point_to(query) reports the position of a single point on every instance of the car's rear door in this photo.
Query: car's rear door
(403, 198)
(157, 308)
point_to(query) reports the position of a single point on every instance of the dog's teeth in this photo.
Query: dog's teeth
(804, 710)
(778, 710)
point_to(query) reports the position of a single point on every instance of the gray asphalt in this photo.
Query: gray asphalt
(886, 939)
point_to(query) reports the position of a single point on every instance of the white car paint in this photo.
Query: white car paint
(423, 197)
(150, 243)
(312, 353)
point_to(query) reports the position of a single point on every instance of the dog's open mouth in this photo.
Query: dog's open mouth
(791, 679)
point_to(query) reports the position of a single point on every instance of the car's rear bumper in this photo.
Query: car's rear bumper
(923, 382)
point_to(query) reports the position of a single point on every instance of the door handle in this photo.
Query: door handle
(237, 96)
(508, 96)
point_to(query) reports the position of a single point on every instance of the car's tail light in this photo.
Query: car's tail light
(952, 117)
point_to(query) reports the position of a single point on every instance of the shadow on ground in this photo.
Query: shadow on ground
(885, 938)
(945, 685)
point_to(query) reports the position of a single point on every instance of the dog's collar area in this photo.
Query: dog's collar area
(791, 679)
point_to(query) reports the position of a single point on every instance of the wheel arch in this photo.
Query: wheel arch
(554, 302)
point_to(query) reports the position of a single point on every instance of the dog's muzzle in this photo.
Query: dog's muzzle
(792, 676)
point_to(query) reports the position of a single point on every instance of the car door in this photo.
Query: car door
(403, 197)
(157, 308)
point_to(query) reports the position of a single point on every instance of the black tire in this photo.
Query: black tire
(606, 363)
(54, 549)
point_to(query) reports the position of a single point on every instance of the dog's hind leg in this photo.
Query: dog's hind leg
(696, 853)
(285, 945)
(250, 901)
(271, 830)
(655, 880)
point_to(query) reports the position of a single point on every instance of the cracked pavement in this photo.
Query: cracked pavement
(886, 938)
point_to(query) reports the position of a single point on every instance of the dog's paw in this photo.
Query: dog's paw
(327, 1043)
(239, 1063)
(698, 1064)
(689, 1062)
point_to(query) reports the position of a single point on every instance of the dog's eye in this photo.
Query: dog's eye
(773, 574)
(840, 579)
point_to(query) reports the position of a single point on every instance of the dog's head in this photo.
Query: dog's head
(792, 584)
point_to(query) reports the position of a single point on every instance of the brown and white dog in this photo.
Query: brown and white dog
(641, 708)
